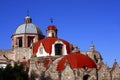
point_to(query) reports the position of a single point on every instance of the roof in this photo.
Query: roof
(76, 60)
(51, 27)
(28, 28)
(47, 43)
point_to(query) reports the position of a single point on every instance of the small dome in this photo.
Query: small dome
(76, 60)
(48, 42)
(51, 27)
(28, 28)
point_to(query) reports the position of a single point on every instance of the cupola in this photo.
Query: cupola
(28, 19)
(51, 31)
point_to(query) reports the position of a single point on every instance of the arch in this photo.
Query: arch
(30, 40)
(85, 77)
(20, 42)
(58, 49)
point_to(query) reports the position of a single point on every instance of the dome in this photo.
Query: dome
(47, 43)
(28, 27)
(97, 55)
(51, 27)
(76, 60)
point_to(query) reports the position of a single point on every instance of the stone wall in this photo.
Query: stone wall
(22, 54)
(8, 53)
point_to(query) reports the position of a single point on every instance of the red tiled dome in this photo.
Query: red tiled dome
(76, 60)
(47, 43)
(51, 27)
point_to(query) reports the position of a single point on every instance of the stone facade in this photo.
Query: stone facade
(39, 69)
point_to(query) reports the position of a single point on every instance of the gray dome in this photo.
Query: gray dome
(28, 28)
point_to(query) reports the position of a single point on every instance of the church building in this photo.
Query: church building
(48, 57)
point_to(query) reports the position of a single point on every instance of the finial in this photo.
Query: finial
(92, 44)
(27, 18)
(27, 12)
(51, 20)
(92, 48)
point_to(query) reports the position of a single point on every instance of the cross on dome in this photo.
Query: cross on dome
(28, 19)
(27, 12)
(51, 20)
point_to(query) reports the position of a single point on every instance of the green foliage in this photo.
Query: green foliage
(13, 73)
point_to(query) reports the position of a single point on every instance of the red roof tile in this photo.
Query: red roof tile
(51, 27)
(76, 60)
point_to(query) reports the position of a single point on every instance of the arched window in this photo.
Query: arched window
(20, 41)
(30, 40)
(58, 49)
(53, 35)
(85, 77)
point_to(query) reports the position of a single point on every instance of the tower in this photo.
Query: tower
(26, 34)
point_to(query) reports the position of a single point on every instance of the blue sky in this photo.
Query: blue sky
(78, 21)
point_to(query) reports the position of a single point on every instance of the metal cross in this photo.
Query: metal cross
(51, 20)
(27, 12)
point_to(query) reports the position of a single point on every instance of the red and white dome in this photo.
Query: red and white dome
(51, 31)
(76, 60)
(48, 44)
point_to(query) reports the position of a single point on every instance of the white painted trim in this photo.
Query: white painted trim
(41, 51)
(64, 51)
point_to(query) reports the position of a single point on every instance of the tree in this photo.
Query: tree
(13, 73)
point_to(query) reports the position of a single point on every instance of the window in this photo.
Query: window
(30, 40)
(58, 49)
(53, 34)
(20, 41)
